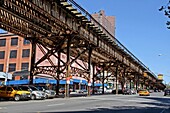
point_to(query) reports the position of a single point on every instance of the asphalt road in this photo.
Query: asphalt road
(156, 103)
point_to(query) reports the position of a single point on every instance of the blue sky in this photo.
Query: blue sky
(141, 28)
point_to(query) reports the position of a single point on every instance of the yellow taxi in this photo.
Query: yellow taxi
(144, 92)
(14, 92)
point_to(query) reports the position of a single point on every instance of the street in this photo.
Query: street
(156, 103)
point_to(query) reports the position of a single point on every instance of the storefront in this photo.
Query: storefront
(4, 78)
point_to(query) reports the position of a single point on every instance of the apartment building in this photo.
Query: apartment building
(14, 53)
(108, 22)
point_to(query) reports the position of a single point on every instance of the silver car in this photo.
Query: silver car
(48, 92)
(35, 92)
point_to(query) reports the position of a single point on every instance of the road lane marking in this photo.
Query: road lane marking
(3, 108)
(56, 104)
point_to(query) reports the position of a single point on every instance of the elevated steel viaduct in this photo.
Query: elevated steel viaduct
(63, 26)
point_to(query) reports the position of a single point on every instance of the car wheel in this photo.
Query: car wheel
(33, 97)
(17, 98)
(46, 96)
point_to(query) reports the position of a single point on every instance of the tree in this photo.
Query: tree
(166, 10)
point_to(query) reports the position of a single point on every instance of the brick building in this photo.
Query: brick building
(14, 53)
(108, 22)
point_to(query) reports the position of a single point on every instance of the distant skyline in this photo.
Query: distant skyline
(141, 28)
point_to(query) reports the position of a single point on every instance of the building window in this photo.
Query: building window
(2, 54)
(24, 66)
(2, 42)
(25, 52)
(12, 67)
(26, 42)
(14, 41)
(13, 54)
(1, 67)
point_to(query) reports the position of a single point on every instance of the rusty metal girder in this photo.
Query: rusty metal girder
(50, 70)
(26, 18)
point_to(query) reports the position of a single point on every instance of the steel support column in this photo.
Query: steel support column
(58, 73)
(89, 69)
(116, 74)
(144, 83)
(33, 55)
(93, 78)
(130, 83)
(137, 82)
(103, 80)
(68, 67)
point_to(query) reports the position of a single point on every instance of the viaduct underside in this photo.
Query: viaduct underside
(63, 27)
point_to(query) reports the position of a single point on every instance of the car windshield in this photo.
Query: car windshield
(143, 90)
(33, 88)
(17, 88)
(42, 87)
(45, 87)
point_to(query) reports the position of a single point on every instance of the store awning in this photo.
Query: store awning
(18, 82)
(40, 80)
(99, 84)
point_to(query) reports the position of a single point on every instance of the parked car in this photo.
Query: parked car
(14, 93)
(133, 91)
(129, 91)
(35, 92)
(108, 90)
(96, 90)
(144, 92)
(119, 91)
(62, 90)
(48, 92)
(151, 91)
(83, 91)
(166, 92)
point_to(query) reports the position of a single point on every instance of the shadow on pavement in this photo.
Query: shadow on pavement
(162, 101)
(122, 109)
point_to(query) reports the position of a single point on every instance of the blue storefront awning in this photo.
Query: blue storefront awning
(64, 82)
(40, 80)
(17, 82)
(52, 81)
(99, 84)
(79, 81)
(84, 81)
(61, 82)
(43, 80)
(76, 80)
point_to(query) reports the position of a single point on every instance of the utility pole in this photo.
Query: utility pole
(7, 65)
